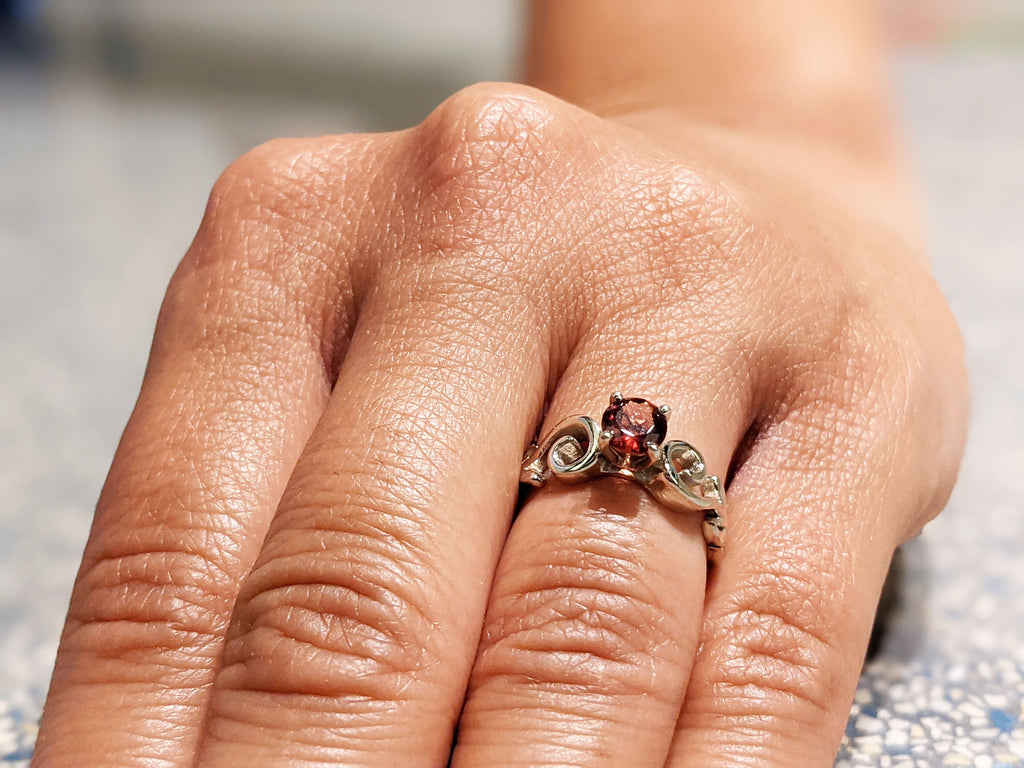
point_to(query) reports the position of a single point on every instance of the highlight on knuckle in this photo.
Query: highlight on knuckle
(487, 127)
(280, 182)
(851, 344)
(873, 353)
(849, 398)
(487, 162)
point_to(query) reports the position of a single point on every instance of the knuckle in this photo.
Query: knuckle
(137, 602)
(849, 383)
(888, 383)
(939, 414)
(864, 381)
(690, 212)
(877, 351)
(343, 612)
(921, 350)
(488, 127)
(842, 344)
(266, 186)
(485, 162)
(773, 642)
(586, 624)
(280, 193)
(588, 637)
(689, 232)
(237, 328)
(265, 239)
(864, 345)
(914, 381)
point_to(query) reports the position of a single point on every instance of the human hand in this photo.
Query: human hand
(305, 550)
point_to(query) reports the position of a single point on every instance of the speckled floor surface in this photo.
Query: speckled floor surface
(948, 688)
(102, 183)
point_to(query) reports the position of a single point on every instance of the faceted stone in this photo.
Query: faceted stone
(633, 423)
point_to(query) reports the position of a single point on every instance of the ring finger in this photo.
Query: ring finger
(595, 613)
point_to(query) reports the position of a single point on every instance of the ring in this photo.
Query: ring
(629, 442)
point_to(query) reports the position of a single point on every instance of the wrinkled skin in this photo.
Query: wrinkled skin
(309, 552)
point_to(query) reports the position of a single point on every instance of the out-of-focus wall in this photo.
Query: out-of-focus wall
(965, 23)
(442, 29)
(393, 59)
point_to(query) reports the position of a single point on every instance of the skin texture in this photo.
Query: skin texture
(309, 550)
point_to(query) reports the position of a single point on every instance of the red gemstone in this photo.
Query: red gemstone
(633, 422)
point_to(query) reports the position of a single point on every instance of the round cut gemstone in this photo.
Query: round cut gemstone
(633, 422)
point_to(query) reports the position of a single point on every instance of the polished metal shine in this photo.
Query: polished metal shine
(578, 449)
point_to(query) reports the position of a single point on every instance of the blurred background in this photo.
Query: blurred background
(115, 119)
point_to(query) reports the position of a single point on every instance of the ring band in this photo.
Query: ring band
(629, 442)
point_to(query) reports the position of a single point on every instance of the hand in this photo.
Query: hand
(305, 552)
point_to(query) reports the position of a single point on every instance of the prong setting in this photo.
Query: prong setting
(630, 442)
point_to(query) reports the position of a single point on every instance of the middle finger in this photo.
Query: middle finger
(355, 632)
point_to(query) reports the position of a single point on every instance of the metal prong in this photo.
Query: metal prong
(607, 435)
(652, 446)
(665, 411)
(616, 398)
(537, 478)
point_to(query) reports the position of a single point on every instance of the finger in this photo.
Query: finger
(595, 611)
(237, 378)
(813, 515)
(355, 633)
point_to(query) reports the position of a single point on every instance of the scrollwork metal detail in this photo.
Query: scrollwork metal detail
(579, 449)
